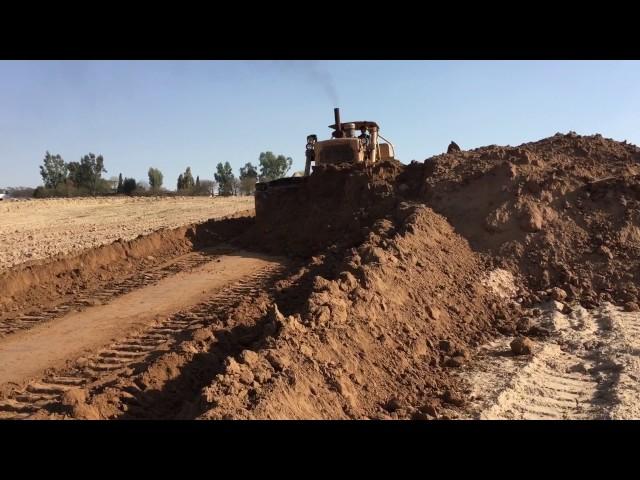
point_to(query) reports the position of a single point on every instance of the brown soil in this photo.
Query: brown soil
(376, 335)
(27, 354)
(369, 334)
(561, 212)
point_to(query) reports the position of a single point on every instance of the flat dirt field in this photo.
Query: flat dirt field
(39, 229)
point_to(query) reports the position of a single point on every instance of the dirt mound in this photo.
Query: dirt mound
(367, 332)
(561, 212)
(373, 337)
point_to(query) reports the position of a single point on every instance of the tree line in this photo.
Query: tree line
(270, 167)
(66, 179)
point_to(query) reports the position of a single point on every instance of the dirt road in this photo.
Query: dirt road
(126, 330)
(40, 229)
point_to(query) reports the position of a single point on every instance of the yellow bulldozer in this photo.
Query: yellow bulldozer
(350, 143)
(346, 146)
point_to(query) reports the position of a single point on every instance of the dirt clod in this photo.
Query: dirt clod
(454, 362)
(430, 408)
(394, 404)
(558, 294)
(522, 346)
(453, 398)
(524, 324)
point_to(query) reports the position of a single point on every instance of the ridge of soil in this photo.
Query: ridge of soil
(40, 284)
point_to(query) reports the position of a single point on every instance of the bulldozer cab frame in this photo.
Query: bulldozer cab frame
(346, 146)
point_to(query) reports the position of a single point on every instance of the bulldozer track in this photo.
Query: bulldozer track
(563, 379)
(134, 352)
(29, 319)
(544, 390)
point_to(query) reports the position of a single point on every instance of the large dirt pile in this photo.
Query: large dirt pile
(561, 212)
(369, 334)
(375, 336)
(367, 328)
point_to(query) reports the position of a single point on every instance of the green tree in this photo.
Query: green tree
(273, 167)
(248, 179)
(120, 184)
(87, 173)
(75, 174)
(185, 180)
(53, 171)
(94, 167)
(189, 183)
(225, 178)
(129, 186)
(155, 178)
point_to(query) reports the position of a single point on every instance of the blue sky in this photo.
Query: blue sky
(174, 114)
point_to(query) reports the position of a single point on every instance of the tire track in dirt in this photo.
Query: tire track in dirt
(545, 388)
(572, 375)
(43, 397)
(24, 321)
(624, 357)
